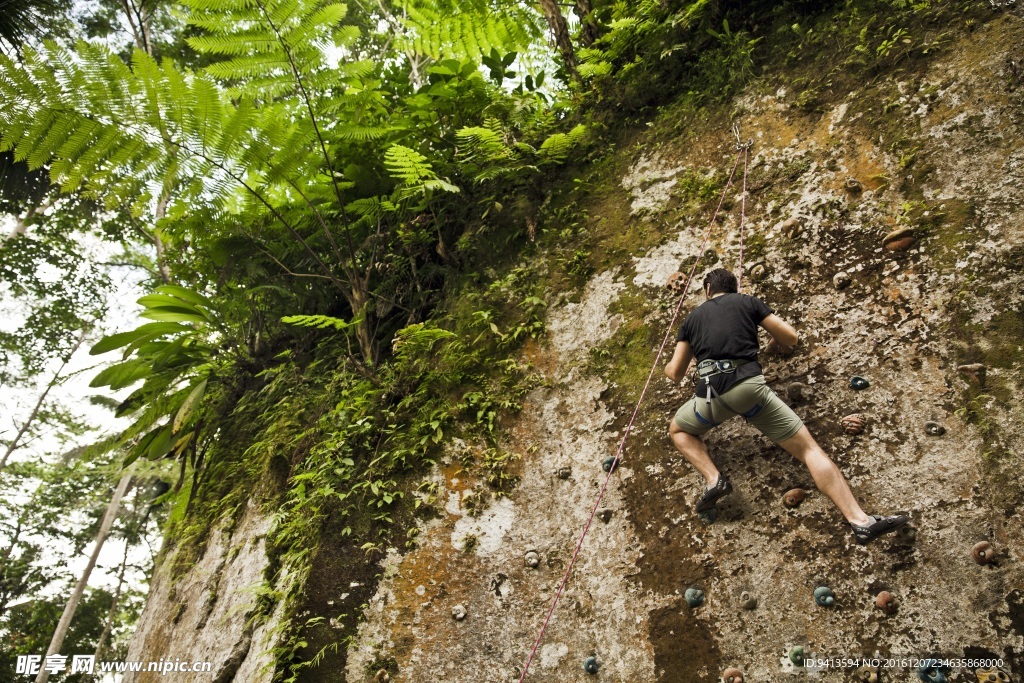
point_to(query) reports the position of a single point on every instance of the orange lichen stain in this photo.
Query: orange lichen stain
(539, 358)
(456, 478)
(893, 294)
(430, 581)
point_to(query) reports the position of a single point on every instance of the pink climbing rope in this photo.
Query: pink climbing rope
(745, 146)
(743, 218)
(629, 426)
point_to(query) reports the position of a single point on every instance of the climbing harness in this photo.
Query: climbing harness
(741, 147)
(706, 369)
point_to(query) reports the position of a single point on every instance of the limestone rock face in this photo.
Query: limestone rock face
(202, 617)
(898, 318)
(624, 602)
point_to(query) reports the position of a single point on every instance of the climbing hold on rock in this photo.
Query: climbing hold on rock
(610, 464)
(866, 674)
(975, 371)
(824, 597)
(886, 602)
(708, 516)
(590, 665)
(459, 613)
(732, 675)
(934, 429)
(382, 677)
(694, 597)
(748, 601)
(710, 255)
(858, 383)
(853, 186)
(983, 553)
(993, 675)
(932, 671)
(605, 514)
(906, 534)
(793, 497)
(676, 281)
(798, 392)
(563, 472)
(796, 655)
(899, 239)
(532, 559)
(854, 424)
(791, 228)
(841, 280)
(758, 272)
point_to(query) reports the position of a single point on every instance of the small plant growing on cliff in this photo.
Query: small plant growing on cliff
(470, 543)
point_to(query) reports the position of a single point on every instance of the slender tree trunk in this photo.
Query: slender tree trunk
(83, 580)
(109, 626)
(161, 256)
(560, 30)
(8, 593)
(359, 299)
(23, 429)
(589, 30)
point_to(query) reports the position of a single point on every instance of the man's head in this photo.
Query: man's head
(720, 281)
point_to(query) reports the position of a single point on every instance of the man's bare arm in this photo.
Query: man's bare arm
(680, 363)
(782, 332)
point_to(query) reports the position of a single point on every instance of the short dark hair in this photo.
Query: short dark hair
(721, 281)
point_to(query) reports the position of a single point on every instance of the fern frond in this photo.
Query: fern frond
(556, 149)
(471, 33)
(320, 322)
(417, 340)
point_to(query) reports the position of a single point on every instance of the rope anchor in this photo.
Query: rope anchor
(740, 145)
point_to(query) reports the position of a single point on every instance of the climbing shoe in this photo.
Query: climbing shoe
(881, 525)
(721, 488)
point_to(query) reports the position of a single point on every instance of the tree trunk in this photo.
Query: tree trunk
(13, 445)
(83, 580)
(589, 30)
(360, 298)
(560, 30)
(109, 626)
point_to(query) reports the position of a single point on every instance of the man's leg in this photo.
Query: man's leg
(827, 476)
(695, 452)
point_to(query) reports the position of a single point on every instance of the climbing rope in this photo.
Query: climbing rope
(745, 148)
(643, 392)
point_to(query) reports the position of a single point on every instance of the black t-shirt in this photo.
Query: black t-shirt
(725, 327)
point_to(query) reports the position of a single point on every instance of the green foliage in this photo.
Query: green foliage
(413, 171)
(737, 48)
(172, 357)
(474, 29)
(321, 322)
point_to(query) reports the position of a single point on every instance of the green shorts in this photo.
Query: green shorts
(753, 399)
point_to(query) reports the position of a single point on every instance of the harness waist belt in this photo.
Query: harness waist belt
(709, 367)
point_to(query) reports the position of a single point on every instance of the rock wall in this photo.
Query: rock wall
(205, 615)
(824, 190)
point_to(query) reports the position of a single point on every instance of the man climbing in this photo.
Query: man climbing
(722, 334)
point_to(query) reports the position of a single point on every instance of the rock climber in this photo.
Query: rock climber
(722, 334)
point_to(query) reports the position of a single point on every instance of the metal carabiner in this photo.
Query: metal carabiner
(740, 145)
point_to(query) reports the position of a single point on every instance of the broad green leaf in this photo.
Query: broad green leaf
(161, 443)
(166, 301)
(186, 295)
(121, 375)
(116, 341)
(173, 315)
(182, 443)
(187, 408)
